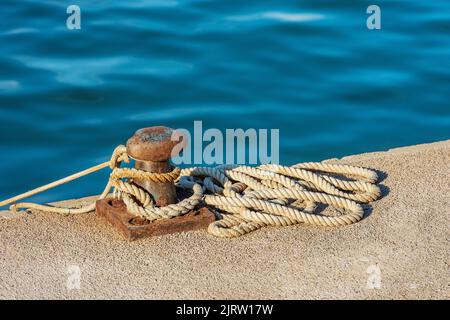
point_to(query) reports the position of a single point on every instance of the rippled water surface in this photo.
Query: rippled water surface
(310, 68)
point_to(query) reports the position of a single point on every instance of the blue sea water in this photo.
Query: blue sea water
(310, 68)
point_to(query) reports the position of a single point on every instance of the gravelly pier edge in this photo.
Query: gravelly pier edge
(399, 251)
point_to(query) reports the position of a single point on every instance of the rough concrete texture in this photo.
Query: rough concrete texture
(399, 251)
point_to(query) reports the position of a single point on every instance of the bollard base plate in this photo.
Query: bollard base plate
(132, 227)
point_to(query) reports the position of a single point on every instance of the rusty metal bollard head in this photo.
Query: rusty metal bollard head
(152, 144)
(152, 148)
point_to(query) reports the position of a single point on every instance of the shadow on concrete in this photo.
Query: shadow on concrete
(384, 192)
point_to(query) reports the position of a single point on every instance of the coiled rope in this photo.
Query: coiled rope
(246, 198)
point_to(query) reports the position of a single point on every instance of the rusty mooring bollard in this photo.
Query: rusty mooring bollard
(151, 148)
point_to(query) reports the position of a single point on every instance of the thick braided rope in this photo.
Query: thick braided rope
(131, 173)
(152, 212)
(276, 195)
(245, 220)
(139, 202)
(362, 191)
(248, 198)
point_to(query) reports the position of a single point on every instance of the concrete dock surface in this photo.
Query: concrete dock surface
(399, 251)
